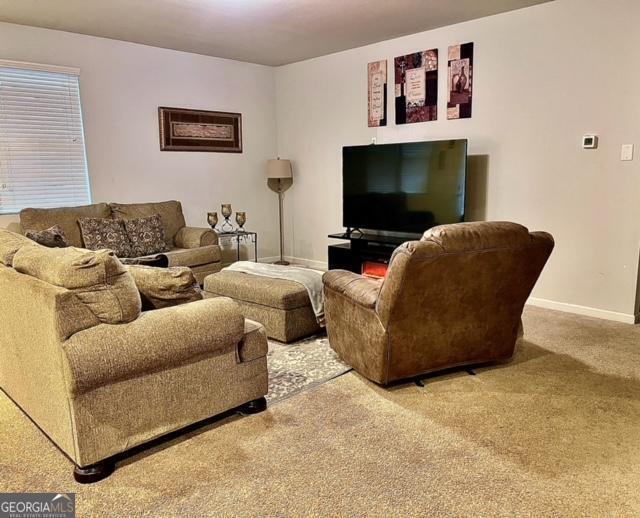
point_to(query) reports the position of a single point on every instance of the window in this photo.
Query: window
(42, 155)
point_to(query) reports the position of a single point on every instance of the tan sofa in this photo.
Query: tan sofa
(99, 376)
(453, 298)
(194, 247)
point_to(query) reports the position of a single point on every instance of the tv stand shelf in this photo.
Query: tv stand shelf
(362, 248)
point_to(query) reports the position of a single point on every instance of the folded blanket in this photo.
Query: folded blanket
(310, 279)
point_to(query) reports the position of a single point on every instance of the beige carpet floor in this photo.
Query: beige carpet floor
(554, 433)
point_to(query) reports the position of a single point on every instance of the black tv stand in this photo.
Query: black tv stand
(362, 248)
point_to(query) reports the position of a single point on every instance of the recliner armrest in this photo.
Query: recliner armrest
(195, 237)
(361, 290)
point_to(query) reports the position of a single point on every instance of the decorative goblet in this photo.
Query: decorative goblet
(226, 212)
(212, 219)
(241, 219)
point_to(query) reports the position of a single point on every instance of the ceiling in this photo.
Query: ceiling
(270, 32)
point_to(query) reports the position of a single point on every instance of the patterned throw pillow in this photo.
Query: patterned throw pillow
(146, 235)
(165, 287)
(99, 233)
(53, 237)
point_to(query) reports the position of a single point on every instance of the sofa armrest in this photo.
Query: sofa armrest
(361, 290)
(157, 340)
(195, 237)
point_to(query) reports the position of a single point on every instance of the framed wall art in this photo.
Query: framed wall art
(416, 78)
(198, 130)
(460, 81)
(377, 93)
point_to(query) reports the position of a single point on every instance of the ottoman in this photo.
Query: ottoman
(281, 306)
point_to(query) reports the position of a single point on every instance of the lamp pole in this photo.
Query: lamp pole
(279, 179)
(280, 200)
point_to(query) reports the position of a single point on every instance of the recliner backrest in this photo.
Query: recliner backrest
(461, 286)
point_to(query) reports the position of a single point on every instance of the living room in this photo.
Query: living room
(549, 429)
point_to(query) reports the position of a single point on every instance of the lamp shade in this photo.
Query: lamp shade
(277, 168)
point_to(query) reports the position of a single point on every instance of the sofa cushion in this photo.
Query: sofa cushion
(170, 212)
(479, 235)
(165, 287)
(65, 217)
(52, 237)
(10, 243)
(146, 235)
(274, 293)
(101, 233)
(97, 278)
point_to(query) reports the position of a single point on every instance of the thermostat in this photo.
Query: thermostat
(589, 142)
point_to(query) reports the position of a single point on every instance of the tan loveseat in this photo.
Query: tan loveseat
(99, 376)
(453, 298)
(194, 247)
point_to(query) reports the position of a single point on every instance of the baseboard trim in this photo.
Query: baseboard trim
(565, 307)
(584, 310)
(270, 259)
(316, 265)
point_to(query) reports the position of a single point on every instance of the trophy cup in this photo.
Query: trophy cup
(241, 219)
(227, 226)
(212, 219)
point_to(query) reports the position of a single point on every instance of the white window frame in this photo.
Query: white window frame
(70, 71)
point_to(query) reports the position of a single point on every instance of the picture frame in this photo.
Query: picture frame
(377, 93)
(416, 87)
(183, 129)
(460, 81)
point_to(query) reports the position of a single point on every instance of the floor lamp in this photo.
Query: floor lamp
(279, 179)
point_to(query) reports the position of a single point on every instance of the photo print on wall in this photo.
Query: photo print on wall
(377, 93)
(416, 77)
(460, 81)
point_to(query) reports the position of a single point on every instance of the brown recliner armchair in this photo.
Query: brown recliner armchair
(453, 298)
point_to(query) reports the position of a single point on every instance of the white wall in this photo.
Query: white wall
(122, 85)
(544, 76)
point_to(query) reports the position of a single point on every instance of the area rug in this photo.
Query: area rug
(301, 366)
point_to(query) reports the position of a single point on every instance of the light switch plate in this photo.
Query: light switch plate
(626, 152)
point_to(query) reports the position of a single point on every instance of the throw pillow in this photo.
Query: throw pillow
(98, 279)
(165, 287)
(10, 243)
(101, 233)
(146, 235)
(52, 237)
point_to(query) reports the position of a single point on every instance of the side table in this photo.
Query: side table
(242, 235)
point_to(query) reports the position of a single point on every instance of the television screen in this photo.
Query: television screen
(404, 187)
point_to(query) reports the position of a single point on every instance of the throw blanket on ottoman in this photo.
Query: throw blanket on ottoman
(310, 279)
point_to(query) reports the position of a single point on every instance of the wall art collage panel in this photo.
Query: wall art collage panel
(377, 93)
(416, 77)
(460, 80)
(416, 86)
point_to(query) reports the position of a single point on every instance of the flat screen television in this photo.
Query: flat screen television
(407, 187)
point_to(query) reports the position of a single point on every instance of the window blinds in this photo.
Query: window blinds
(42, 154)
